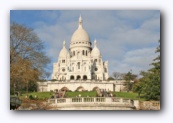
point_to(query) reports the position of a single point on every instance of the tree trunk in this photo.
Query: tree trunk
(27, 89)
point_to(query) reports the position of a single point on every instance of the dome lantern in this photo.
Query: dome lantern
(80, 21)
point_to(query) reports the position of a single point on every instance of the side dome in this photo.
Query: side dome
(64, 51)
(80, 37)
(95, 52)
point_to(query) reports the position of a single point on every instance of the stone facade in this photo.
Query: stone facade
(81, 67)
(80, 85)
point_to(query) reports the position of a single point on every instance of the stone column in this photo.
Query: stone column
(68, 100)
(108, 100)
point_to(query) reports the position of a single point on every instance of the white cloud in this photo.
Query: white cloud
(140, 57)
(135, 60)
(124, 45)
(151, 25)
(136, 14)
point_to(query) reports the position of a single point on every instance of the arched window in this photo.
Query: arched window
(72, 77)
(73, 53)
(86, 53)
(95, 77)
(78, 77)
(105, 70)
(84, 77)
(63, 61)
(83, 52)
(78, 64)
(95, 60)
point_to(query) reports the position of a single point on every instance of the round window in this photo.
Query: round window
(96, 69)
(63, 69)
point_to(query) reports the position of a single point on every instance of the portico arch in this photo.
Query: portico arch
(78, 77)
(84, 77)
(95, 88)
(80, 88)
(64, 89)
(71, 77)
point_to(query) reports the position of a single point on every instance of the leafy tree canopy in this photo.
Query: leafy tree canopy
(27, 57)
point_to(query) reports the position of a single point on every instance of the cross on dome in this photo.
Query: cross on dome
(95, 43)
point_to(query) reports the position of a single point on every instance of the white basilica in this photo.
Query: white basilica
(81, 62)
(81, 67)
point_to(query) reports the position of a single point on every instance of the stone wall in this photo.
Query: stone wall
(147, 105)
(85, 85)
(150, 105)
(91, 103)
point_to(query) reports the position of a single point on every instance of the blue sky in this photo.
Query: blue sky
(127, 39)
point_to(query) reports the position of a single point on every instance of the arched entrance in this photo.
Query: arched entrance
(80, 88)
(84, 77)
(95, 88)
(78, 77)
(72, 77)
(64, 89)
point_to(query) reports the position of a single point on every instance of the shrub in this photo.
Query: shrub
(69, 90)
(31, 97)
(53, 80)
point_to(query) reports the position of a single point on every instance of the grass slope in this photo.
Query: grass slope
(83, 94)
(40, 95)
(46, 95)
(129, 95)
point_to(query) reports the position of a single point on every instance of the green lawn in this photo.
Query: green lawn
(46, 95)
(40, 95)
(129, 95)
(83, 94)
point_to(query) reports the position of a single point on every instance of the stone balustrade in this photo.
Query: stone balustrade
(91, 100)
(79, 81)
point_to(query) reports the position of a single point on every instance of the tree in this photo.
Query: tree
(129, 78)
(27, 57)
(151, 79)
(110, 78)
(35, 104)
(138, 88)
(117, 75)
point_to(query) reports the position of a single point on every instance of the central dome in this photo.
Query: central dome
(80, 37)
